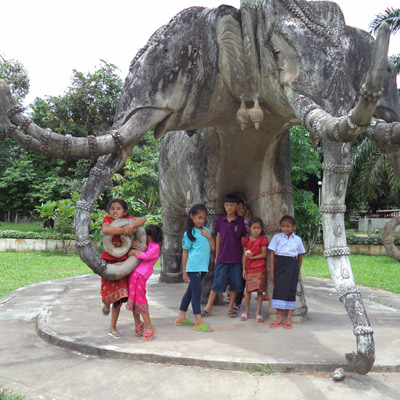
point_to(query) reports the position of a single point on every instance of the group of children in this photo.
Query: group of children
(241, 251)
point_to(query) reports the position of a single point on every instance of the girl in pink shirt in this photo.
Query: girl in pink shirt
(137, 301)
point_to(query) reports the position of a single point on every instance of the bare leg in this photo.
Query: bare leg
(114, 318)
(259, 303)
(211, 299)
(181, 317)
(247, 299)
(138, 323)
(232, 301)
(148, 327)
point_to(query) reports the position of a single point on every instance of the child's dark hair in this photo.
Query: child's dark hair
(288, 218)
(120, 201)
(155, 232)
(232, 198)
(189, 226)
(256, 220)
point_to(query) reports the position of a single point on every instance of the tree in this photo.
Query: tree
(16, 76)
(306, 171)
(87, 108)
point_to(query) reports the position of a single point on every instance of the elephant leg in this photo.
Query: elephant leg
(171, 251)
(336, 170)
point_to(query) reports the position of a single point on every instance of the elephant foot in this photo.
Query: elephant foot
(363, 361)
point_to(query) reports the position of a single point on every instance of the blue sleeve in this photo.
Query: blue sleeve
(186, 242)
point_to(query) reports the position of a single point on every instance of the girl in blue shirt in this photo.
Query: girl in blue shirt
(197, 244)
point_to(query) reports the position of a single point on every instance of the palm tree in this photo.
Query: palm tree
(392, 17)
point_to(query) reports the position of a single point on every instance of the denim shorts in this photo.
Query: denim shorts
(224, 271)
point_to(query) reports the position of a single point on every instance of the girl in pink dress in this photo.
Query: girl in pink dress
(254, 266)
(137, 301)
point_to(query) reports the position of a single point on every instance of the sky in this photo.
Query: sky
(53, 37)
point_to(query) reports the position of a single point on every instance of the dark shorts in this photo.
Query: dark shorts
(221, 274)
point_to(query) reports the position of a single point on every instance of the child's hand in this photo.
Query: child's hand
(205, 233)
(129, 229)
(133, 253)
(248, 254)
(134, 244)
(272, 277)
(244, 274)
(186, 277)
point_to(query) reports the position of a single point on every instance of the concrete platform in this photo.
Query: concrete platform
(68, 315)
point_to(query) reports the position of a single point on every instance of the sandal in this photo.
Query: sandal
(205, 313)
(244, 317)
(259, 318)
(203, 328)
(187, 322)
(149, 335)
(275, 324)
(115, 334)
(139, 331)
(105, 310)
(288, 325)
(232, 313)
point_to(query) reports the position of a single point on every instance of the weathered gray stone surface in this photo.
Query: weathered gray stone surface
(283, 63)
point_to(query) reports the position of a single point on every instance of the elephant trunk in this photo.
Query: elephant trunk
(51, 144)
(346, 128)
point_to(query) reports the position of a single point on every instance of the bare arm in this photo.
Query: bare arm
(260, 256)
(272, 264)
(244, 262)
(131, 228)
(300, 263)
(217, 245)
(111, 230)
(184, 262)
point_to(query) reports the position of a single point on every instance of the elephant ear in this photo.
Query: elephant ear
(232, 63)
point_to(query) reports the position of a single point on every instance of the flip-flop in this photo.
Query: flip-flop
(115, 335)
(232, 313)
(205, 313)
(139, 331)
(275, 324)
(259, 318)
(288, 325)
(105, 310)
(203, 328)
(149, 335)
(244, 317)
(188, 322)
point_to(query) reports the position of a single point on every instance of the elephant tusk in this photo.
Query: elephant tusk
(67, 147)
(371, 90)
(348, 127)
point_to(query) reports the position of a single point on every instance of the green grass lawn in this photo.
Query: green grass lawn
(20, 269)
(36, 226)
(378, 272)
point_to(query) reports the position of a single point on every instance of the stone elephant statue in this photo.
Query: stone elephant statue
(249, 75)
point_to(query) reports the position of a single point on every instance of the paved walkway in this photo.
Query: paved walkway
(83, 362)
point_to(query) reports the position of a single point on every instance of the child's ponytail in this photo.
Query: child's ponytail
(189, 226)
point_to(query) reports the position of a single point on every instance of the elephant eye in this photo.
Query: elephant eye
(165, 49)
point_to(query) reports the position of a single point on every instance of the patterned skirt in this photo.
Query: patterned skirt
(256, 279)
(112, 291)
(137, 300)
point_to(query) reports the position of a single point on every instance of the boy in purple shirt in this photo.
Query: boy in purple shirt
(230, 229)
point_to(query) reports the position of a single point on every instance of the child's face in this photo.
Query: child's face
(240, 210)
(230, 208)
(117, 211)
(255, 229)
(199, 219)
(287, 228)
